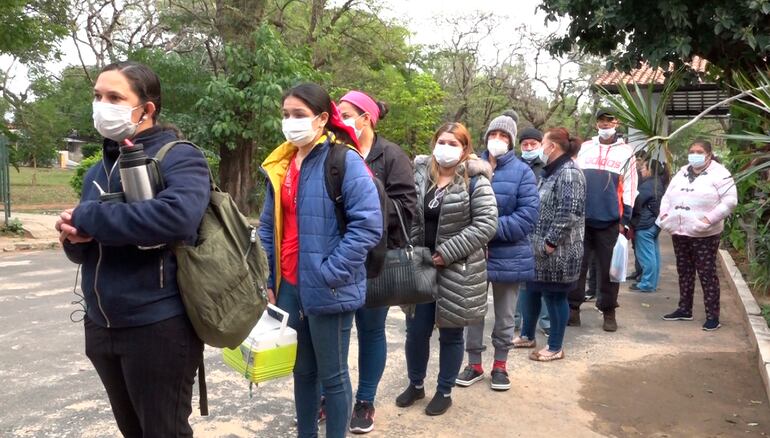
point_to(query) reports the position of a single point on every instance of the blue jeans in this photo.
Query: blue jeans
(558, 310)
(322, 360)
(372, 350)
(648, 254)
(544, 321)
(418, 333)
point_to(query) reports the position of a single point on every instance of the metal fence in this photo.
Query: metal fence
(5, 182)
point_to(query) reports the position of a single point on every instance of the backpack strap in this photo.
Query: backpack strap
(170, 145)
(334, 174)
(202, 392)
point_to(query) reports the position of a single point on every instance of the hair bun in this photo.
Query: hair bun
(383, 107)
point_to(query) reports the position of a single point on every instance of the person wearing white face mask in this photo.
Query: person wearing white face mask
(698, 199)
(510, 259)
(390, 164)
(455, 188)
(137, 334)
(609, 166)
(317, 270)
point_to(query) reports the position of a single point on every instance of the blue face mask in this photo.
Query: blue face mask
(696, 160)
(531, 155)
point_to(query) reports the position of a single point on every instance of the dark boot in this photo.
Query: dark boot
(610, 325)
(574, 318)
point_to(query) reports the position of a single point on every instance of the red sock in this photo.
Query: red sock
(499, 364)
(477, 367)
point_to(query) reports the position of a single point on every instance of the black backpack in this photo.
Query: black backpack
(334, 168)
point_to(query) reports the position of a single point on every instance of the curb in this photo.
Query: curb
(24, 245)
(759, 333)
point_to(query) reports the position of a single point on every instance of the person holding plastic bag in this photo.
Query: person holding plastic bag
(693, 209)
(609, 167)
(317, 274)
(557, 243)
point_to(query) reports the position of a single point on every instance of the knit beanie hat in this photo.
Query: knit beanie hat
(503, 123)
(530, 134)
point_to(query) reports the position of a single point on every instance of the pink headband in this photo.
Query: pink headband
(364, 103)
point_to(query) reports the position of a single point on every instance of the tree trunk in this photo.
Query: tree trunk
(237, 175)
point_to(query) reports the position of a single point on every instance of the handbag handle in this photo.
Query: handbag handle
(401, 222)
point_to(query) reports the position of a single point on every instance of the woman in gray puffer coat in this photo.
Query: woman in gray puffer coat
(456, 217)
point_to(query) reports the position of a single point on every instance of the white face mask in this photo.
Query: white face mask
(299, 132)
(543, 156)
(352, 123)
(114, 121)
(605, 134)
(497, 147)
(447, 155)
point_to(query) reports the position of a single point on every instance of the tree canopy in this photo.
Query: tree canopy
(734, 35)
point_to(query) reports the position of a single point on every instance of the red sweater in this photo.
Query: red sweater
(290, 241)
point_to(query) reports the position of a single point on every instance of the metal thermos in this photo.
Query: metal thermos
(137, 173)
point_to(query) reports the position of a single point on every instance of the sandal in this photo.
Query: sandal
(539, 356)
(524, 342)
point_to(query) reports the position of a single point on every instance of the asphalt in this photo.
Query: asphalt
(651, 378)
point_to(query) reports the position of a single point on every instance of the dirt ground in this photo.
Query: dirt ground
(649, 379)
(694, 394)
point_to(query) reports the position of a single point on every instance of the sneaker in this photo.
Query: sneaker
(322, 411)
(589, 297)
(439, 404)
(678, 315)
(469, 376)
(363, 418)
(546, 331)
(711, 324)
(410, 395)
(610, 324)
(500, 380)
(574, 318)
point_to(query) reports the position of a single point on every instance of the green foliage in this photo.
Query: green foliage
(31, 29)
(637, 108)
(90, 149)
(184, 80)
(245, 105)
(732, 34)
(76, 182)
(14, 227)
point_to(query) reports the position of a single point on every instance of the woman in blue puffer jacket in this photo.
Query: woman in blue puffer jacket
(511, 260)
(317, 274)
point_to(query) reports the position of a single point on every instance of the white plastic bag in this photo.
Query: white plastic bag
(618, 270)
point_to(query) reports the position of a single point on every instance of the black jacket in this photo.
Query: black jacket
(647, 203)
(537, 167)
(392, 166)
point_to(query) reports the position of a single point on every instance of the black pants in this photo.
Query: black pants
(598, 245)
(148, 373)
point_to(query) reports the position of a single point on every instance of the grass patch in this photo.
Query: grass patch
(41, 187)
(13, 229)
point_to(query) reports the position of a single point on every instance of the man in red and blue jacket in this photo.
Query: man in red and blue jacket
(609, 166)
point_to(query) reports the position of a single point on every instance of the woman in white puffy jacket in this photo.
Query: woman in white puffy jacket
(698, 199)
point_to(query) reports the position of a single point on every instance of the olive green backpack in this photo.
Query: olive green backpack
(222, 279)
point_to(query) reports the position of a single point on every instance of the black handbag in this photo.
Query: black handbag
(408, 276)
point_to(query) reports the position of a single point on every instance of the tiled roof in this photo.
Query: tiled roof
(645, 75)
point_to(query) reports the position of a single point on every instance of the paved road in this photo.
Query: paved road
(651, 378)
